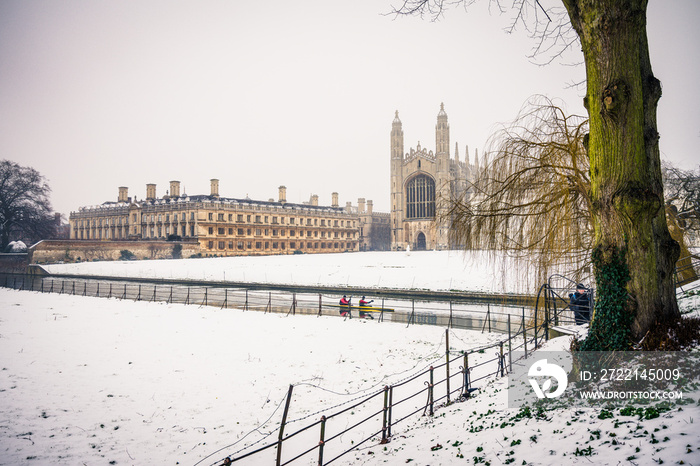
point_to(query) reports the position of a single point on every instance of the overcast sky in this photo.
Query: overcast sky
(101, 94)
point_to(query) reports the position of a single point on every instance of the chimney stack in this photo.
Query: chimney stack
(334, 197)
(150, 192)
(314, 199)
(175, 189)
(283, 194)
(369, 207)
(361, 205)
(123, 194)
(214, 187)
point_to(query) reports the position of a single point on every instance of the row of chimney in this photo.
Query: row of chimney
(175, 193)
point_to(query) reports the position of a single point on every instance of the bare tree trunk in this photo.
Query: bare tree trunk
(626, 184)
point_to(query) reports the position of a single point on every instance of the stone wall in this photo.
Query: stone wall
(13, 262)
(51, 251)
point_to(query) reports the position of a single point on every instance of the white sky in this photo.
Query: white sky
(97, 95)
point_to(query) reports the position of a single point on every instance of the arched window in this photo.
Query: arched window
(420, 197)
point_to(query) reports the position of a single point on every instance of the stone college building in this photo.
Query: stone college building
(422, 182)
(225, 226)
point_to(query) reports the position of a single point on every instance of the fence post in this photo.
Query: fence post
(206, 297)
(320, 304)
(412, 317)
(269, 302)
(98, 290)
(488, 318)
(447, 359)
(489, 315)
(322, 441)
(449, 324)
(465, 371)
(187, 300)
(535, 329)
(225, 298)
(430, 392)
(110, 291)
(510, 348)
(391, 406)
(284, 421)
(138, 298)
(245, 306)
(386, 414)
(501, 358)
(293, 309)
(154, 292)
(524, 333)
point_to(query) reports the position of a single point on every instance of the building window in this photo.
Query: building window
(420, 197)
(240, 232)
(211, 230)
(211, 216)
(222, 231)
(222, 245)
(239, 218)
(230, 231)
(230, 244)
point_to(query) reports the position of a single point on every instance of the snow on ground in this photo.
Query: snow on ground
(96, 381)
(483, 432)
(103, 381)
(430, 270)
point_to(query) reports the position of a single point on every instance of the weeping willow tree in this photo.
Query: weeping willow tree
(532, 200)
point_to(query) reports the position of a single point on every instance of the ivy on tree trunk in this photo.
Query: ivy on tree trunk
(623, 147)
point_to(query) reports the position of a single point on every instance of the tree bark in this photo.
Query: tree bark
(623, 147)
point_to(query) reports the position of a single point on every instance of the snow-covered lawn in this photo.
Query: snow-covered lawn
(103, 381)
(90, 380)
(428, 270)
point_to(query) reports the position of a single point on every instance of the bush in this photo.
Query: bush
(126, 255)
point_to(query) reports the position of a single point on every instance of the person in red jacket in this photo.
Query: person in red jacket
(345, 306)
(365, 303)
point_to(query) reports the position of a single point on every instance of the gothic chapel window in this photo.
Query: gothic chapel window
(420, 197)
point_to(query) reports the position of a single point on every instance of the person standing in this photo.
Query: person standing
(580, 303)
